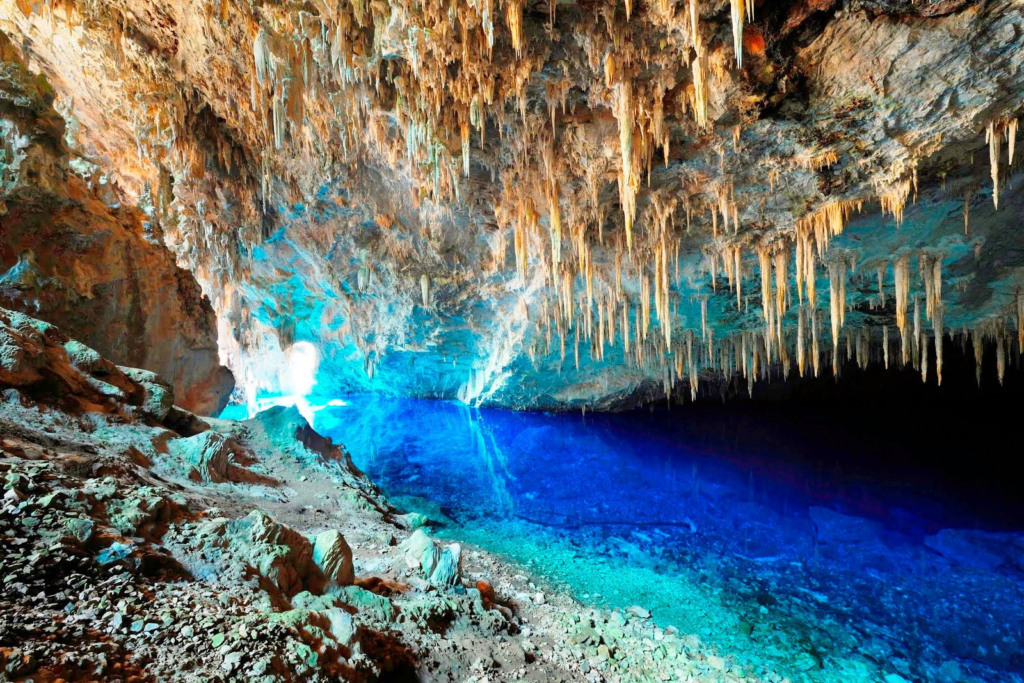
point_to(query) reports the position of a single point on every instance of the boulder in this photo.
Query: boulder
(205, 457)
(334, 557)
(257, 544)
(159, 394)
(440, 566)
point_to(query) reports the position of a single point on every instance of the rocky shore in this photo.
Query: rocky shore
(140, 542)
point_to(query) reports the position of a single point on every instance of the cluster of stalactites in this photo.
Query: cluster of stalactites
(603, 316)
(995, 133)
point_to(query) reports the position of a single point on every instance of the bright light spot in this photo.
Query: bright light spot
(302, 364)
(301, 376)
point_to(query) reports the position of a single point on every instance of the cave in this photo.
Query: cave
(486, 340)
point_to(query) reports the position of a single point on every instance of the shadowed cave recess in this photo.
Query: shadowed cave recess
(491, 340)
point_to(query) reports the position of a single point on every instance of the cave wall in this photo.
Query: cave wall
(73, 254)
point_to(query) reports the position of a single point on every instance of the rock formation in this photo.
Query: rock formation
(73, 254)
(563, 204)
(280, 562)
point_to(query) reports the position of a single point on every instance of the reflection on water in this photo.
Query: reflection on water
(795, 563)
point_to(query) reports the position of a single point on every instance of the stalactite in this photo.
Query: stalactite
(801, 359)
(827, 222)
(263, 58)
(629, 181)
(1011, 139)
(514, 17)
(1020, 322)
(625, 330)
(737, 9)
(901, 277)
(815, 347)
(881, 284)
(837, 303)
(738, 274)
(924, 357)
(813, 164)
(917, 333)
(781, 282)
(967, 211)
(1000, 359)
(704, 318)
(894, 199)
(993, 136)
(699, 70)
(464, 130)
(977, 342)
(930, 278)
(425, 289)
(885, 346)
(691, 367)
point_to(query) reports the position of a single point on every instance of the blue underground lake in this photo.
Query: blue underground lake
(723, 527)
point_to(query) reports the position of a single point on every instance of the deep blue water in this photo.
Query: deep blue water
(756, 537)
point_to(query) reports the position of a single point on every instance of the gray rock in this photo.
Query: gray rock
(441, 567)
(334, 557)
(205, 456)
(159, 394)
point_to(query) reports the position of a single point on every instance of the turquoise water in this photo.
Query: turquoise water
(808, 566)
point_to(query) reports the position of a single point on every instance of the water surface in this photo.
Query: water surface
(769, 545)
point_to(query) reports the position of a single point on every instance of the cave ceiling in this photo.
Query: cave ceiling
(561, 204)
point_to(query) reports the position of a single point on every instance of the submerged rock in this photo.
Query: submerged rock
(980, 549)
(836, 527)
